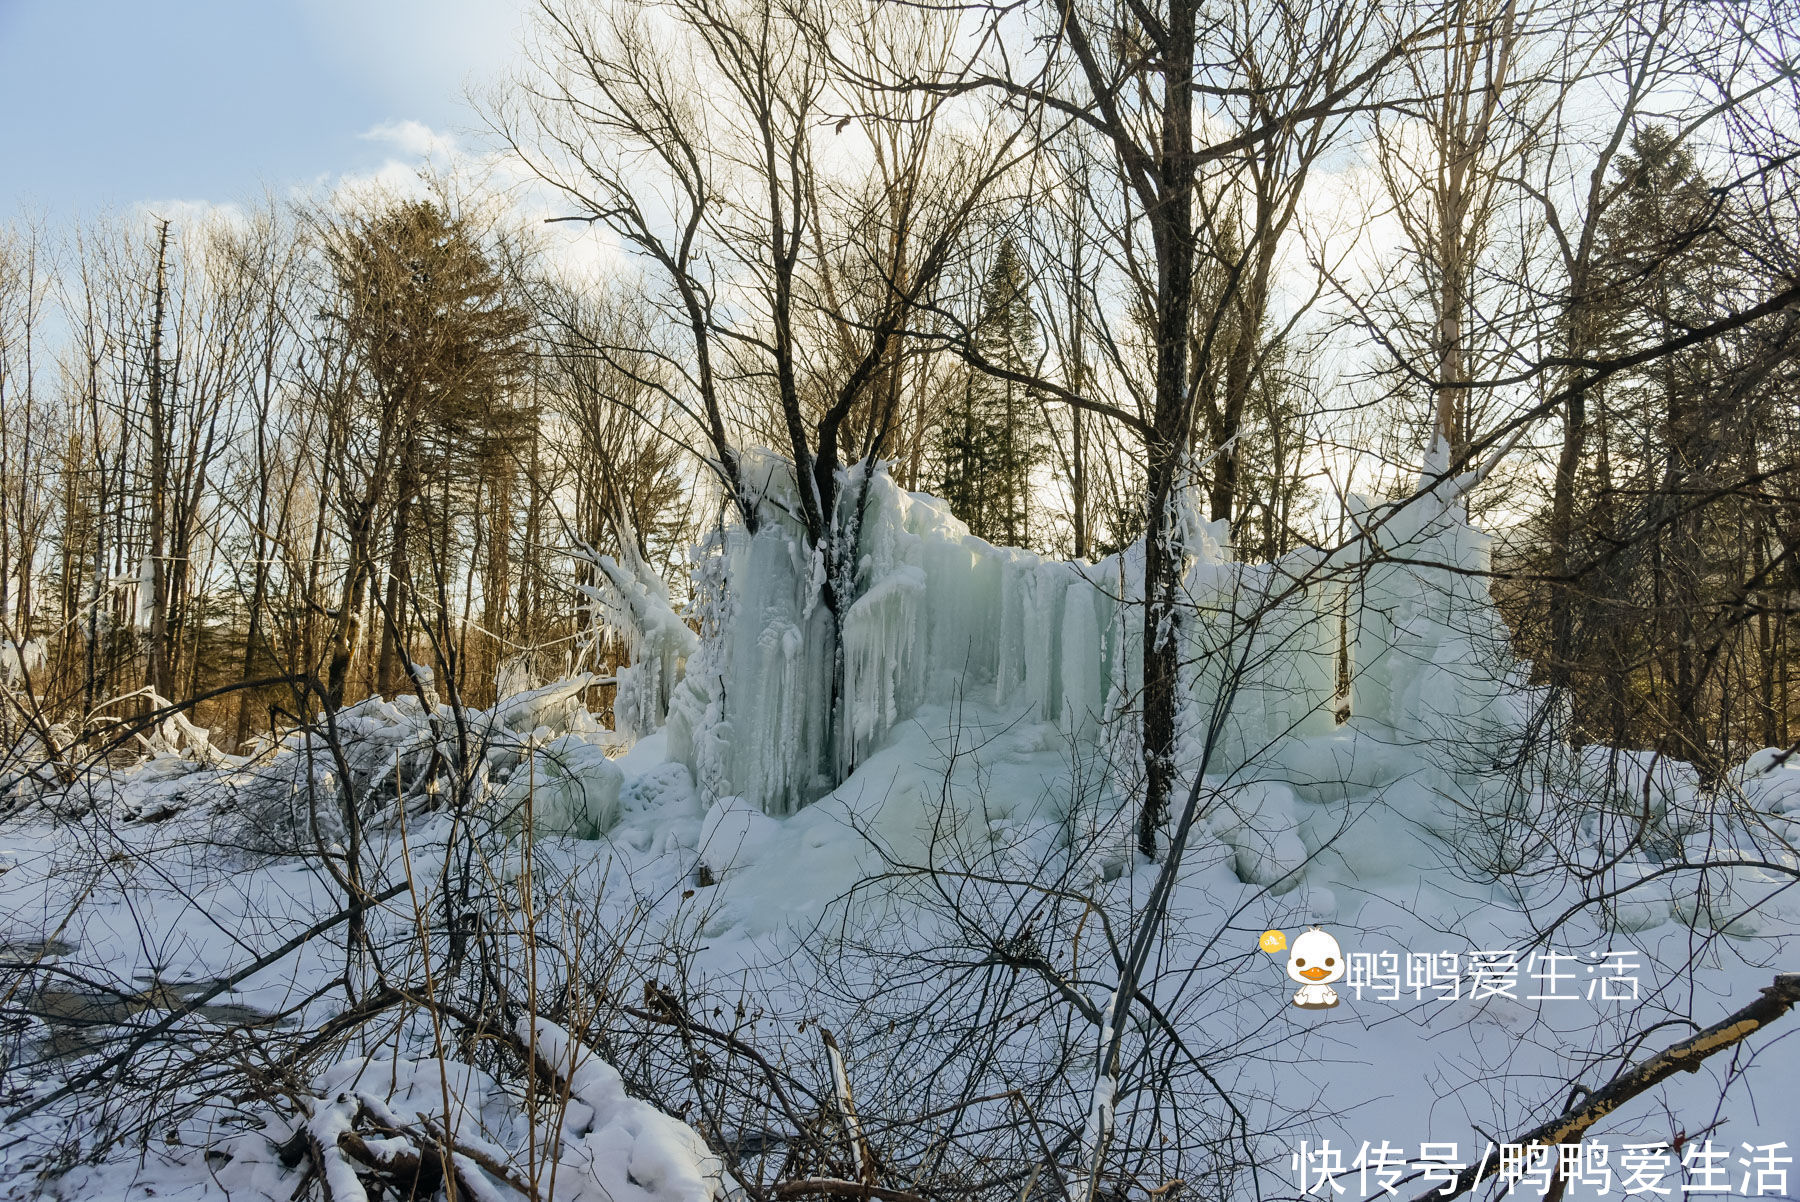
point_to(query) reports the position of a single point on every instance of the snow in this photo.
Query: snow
(18, 660)
(990, 747)
(330, 1122)
(599, 1145)
(615, 1148)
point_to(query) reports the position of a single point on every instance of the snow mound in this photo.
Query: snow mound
(613, 1147)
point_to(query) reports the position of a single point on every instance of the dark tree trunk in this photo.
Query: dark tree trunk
(394, 651)
(1562, 529)
(161, 669)
(1172, 229)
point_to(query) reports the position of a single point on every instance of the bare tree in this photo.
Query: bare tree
(792, 285)
(1137, 77)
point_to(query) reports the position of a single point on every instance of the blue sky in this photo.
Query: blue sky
(110, 104)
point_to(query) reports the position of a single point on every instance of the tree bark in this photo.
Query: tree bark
(394, 625)
(1172, 229)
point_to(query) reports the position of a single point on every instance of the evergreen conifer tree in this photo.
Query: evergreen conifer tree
(1655, 588)
(993, 435)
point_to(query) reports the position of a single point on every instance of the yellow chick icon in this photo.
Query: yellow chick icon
(1272, 942)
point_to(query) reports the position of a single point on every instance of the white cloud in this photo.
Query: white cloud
(182, 213)
(413, 139)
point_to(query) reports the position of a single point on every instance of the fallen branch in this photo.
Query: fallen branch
(1776, 1000)
(837, 1187)
(859, 1148)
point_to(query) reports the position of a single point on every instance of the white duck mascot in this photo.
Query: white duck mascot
(1315, 961)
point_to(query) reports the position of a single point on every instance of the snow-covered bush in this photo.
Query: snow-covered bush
(431, 1127)
(538, 750)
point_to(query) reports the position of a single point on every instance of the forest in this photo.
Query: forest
(780, 631)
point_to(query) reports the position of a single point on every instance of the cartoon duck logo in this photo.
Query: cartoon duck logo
(1315, 961)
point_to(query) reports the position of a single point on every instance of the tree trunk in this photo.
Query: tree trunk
(259, 539)
(161, 670)
(1561, 534)
(346, 628)
(394, 652)
(1172, 228)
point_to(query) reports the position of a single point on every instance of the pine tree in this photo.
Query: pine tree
(993, 436)
(438, 346)
(1652, 618)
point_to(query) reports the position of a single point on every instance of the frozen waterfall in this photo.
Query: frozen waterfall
(1400, 609)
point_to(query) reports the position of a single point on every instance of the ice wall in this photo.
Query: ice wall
(939, 612)
(1401, 607)
(936, 611)
(1429, 654)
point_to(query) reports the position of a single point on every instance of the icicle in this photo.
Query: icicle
(932, 603)
(631, 602)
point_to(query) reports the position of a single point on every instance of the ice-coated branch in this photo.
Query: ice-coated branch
(632, 603)
(840, 1081)
(1100, 1108)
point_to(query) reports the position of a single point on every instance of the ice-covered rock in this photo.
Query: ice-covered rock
(568, 786)
(1256, 821)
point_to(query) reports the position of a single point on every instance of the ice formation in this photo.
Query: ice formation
(19, 659)
(536, 756)
(631, 602)
(1429, 648)
(939, 613)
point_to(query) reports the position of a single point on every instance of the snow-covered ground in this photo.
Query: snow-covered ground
(1516, 918)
